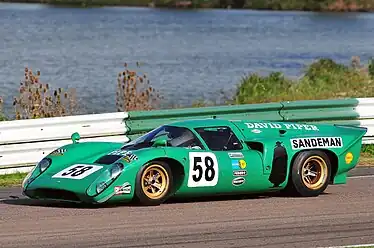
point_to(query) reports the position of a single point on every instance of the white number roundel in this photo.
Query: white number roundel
(77, 171)
(204, 170)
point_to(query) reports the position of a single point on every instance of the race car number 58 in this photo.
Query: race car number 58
(77, 171)
(203, 169)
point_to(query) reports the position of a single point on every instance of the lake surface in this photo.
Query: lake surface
(188, 55)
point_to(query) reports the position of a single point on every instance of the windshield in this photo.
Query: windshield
(176, 136)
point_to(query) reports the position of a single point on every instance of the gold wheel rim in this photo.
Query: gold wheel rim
(314, 172)
(155, 181)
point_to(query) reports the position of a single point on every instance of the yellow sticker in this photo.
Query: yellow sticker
(242, 164)
(127, 159)
(348, 157)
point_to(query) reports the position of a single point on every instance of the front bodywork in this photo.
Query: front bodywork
(260, 162)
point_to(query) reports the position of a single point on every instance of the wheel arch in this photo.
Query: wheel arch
(177, 170)
(334, 161)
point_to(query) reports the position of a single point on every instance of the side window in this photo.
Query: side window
(219, 138)
(179, 137)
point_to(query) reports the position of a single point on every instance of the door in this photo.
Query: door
(226, 166)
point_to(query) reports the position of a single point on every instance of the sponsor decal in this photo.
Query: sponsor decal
(235, 164)
(242, 164)
(348, 158)
(239, 173)
(131, 157)
(119, 152)
(58, 152)
(128, 155)
(266, 125)
(126, 159)
(238, 181)
(317, 142)
(124, 189)
(236, 155)
(256, 131)
(278, 165)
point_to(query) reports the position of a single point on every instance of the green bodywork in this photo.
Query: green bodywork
(257, 139)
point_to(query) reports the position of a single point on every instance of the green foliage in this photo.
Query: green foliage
(97, 3)
(368, 149)
(257, 89)
(323, 79)
(311, 5)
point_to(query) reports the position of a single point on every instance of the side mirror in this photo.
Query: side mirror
(75, 137)
(160, 141)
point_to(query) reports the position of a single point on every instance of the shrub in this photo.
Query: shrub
(326, 79)
(134, 91)
(37, 100)
(260, 89)
(368, 149)
(323, 79)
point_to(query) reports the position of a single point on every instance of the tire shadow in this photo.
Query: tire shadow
(234, 197)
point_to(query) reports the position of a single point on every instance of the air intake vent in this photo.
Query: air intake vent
(108, 159)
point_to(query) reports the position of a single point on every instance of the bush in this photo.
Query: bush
(134, 92)
(308, 5)
(368, 149)
(327, 79)
(323, 79)
(257, 89)
(37, 100)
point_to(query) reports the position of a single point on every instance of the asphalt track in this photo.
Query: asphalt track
(344, 215)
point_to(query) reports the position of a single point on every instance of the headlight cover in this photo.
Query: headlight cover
(44, 164)
(28, 178)
(40, 167)
(115, 170)
(105, 179)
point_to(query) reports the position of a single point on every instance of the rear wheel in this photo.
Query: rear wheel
(310, 174)
(153, 183)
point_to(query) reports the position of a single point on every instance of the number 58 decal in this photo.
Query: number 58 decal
(77, 171)
(203, 169)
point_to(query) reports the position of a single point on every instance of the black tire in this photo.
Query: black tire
(298, 184)
(142, 195)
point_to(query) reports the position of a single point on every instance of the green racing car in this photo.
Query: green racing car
(196, 158)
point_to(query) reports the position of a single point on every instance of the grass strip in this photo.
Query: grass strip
(9, 180)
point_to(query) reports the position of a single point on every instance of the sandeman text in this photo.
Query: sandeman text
(317, 142)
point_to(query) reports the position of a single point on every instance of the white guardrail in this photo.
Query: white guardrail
(24, 142)
(365, 110)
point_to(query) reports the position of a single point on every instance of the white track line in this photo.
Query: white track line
(367, 176)
(348, 246)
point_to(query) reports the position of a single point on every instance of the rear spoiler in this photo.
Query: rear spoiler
(363, 130)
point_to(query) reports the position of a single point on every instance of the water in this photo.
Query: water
(188, 55)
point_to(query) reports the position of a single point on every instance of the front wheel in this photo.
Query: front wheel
(153, 183)
(310, 174)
